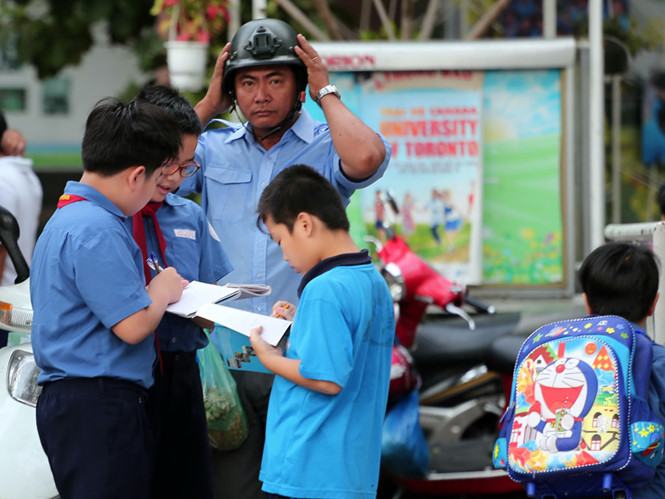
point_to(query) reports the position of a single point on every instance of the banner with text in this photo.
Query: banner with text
(432, 122)
(475, 169)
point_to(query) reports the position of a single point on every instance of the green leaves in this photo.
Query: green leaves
(53, 34)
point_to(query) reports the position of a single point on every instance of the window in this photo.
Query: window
(55, 96)
(13, 99)
(8, 51)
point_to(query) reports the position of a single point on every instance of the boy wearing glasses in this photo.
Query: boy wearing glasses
(175, 231)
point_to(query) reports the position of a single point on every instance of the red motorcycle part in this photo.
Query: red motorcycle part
(403, 376)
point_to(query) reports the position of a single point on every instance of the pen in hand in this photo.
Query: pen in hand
(153, 263)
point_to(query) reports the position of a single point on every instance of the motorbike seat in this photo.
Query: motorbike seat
(450, 341)
(503, 353)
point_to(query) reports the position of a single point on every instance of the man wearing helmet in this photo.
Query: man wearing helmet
(263, 73)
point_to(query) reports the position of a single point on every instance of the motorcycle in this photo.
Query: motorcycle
(24, 468)
(464, 361)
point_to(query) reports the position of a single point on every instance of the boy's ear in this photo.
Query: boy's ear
(305, 222)
(652, 308)
(587, 307)
(134, 175)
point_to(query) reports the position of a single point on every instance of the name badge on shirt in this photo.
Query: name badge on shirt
(186, 233)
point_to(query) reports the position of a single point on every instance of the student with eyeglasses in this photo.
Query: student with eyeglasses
(175, 231)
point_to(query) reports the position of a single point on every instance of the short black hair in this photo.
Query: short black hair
(170, 100)
(661, 199)
(620, 279)
(3, 124)
(299, 189)
(119, 135)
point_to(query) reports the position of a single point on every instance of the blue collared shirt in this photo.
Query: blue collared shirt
(196, 253)
(235, 171)
(87, 275)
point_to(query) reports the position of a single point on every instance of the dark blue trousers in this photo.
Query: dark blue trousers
(96, 434)
(183, 467)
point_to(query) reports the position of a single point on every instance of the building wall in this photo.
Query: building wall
(105, 70)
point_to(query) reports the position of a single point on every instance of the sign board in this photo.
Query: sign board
(477, 132)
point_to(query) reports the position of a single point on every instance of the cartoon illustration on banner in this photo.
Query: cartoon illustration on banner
(475, 169)
(432, 121)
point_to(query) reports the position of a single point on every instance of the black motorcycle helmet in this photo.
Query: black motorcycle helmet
(264, 42)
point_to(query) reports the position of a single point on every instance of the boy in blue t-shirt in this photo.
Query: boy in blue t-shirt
(94, 315)
(175, 231)
(622, 279)
(328, 401)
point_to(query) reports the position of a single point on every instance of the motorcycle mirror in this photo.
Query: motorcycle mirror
(378, 245)
(9, 234)
(392, 203)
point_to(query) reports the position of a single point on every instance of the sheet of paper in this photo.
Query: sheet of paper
(249, 290)
(243, 321)
(199, 293)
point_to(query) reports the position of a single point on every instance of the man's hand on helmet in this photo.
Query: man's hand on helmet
(215, 102)
(12, 143)
(317, 72)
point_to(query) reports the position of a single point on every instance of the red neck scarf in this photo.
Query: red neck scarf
(138, 229)
(66, 199)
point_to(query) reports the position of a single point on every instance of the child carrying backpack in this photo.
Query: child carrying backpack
(585, 416)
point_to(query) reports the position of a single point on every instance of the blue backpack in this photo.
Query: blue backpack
(579, 423)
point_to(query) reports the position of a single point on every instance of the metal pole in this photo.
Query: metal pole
(596, 136)
(549, 18)
(259, 9)
(616, 149)
(234, 17)
(570, 172)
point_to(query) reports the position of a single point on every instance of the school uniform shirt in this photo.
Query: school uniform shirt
(327, 446)
(235, 171)
(193, 248)
(87, 275)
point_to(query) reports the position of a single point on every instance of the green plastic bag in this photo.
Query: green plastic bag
(227, 424)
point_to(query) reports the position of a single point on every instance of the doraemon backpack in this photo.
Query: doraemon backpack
(578, 423)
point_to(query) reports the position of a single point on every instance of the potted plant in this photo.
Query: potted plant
(188, 27)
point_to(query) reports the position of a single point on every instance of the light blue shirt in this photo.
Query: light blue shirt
(330, 446)
(235, 171)
(196, 253)
(87, 275)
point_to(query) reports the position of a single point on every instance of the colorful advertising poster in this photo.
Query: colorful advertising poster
(475, 169)
(522, 218)
(432, 122)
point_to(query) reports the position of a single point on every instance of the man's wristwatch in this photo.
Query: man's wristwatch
(328, 89)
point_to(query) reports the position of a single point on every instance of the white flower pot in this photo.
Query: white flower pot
(187, 64)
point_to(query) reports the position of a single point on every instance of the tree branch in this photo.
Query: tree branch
(483, 24)
(385, 20)
(428, 21)
(328, 19)
(300, 17)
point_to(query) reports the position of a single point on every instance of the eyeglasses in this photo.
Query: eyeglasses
(186, 170)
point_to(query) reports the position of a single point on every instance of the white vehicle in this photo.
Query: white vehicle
(24, 468)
